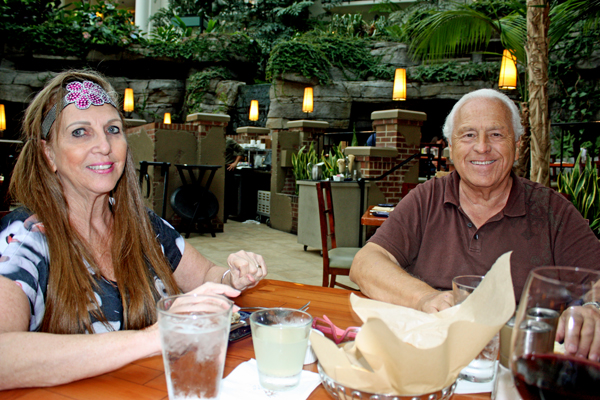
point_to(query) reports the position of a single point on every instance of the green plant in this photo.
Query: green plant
(330, 161)
(74, 29)
(197, 85)
(303, 161)
(207, 47)
(453, 71)
(582, 187)
(313, 53)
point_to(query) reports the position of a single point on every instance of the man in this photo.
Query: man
(234, 153)
(460, 224)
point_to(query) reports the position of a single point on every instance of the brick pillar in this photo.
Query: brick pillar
(398, 137)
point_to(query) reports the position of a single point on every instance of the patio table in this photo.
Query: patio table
(145, 379)
(369, 219)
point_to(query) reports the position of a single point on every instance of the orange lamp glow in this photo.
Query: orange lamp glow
(253, 116)
(128, 101)
(307, 102)
(399, 92)
(2, 118)
(508, 71)
(167, 118)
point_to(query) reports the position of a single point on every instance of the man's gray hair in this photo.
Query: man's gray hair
(484, 94)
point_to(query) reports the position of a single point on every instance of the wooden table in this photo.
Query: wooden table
(370, 219)
(145, 379)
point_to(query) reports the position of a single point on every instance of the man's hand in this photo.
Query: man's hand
(579, 327)
(435, 301)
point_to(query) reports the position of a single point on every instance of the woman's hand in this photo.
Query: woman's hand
(212, 288)
(247, 269)
(579, 327)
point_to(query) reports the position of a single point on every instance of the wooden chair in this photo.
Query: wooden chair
(336, 260)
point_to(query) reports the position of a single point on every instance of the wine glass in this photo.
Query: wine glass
(540, 372)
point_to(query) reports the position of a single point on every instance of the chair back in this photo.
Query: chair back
(327, 220)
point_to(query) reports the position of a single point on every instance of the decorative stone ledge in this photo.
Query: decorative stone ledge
(304, 123)
(399, 114)
(207, 117)
(132, 123)
(368, 151)
(253, 130)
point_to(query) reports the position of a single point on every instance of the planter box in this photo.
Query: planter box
(346, 209)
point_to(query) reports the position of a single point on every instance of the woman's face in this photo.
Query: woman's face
(89, 151)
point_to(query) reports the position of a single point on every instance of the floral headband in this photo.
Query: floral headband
(83, 95)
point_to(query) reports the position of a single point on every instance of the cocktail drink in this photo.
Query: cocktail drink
(194, 332)
(483, 367)
(280, 338)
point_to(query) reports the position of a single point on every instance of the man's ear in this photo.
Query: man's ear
(49, 152)
(517, 149)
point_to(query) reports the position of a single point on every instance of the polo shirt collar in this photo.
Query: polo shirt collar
(515, 205)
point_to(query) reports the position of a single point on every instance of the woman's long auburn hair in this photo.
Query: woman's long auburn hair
(135, 251)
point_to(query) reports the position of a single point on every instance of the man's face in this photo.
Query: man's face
(483, 145)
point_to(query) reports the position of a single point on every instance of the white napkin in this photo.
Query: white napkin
(242, 383)
(467, 387)
(502, 387)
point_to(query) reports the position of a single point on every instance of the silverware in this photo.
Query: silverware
(245, 322)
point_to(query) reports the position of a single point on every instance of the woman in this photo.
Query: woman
(111, 258)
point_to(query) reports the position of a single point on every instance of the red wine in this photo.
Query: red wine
(556, 376)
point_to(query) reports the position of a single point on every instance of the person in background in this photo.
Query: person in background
(483, 210)
(234, 153)
(83, 261)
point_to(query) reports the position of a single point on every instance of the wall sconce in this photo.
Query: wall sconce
(128, 101)
(508, 71)
(253, 116)
(2, 118)
(399, 92)
(167, 118)
(307, 102)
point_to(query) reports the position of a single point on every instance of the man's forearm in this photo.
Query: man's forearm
(380, 277)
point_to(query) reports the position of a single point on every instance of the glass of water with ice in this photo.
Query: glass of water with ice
(280, 338)
(194, 332)
(483, 367)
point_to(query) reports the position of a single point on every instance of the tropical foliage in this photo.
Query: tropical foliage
(69, 30)
(582, 187)
(312, 54)
(306, 158)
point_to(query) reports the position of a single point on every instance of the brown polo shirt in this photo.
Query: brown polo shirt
(433, 239)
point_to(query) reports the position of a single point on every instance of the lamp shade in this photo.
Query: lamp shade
(167, 118)
(399, 92)
(2, 118)
(307, 103)
(128, 101)
(508, 71)
(253, 116)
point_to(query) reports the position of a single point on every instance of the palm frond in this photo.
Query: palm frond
(514, 34)
(565, 15)
(452, 32)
